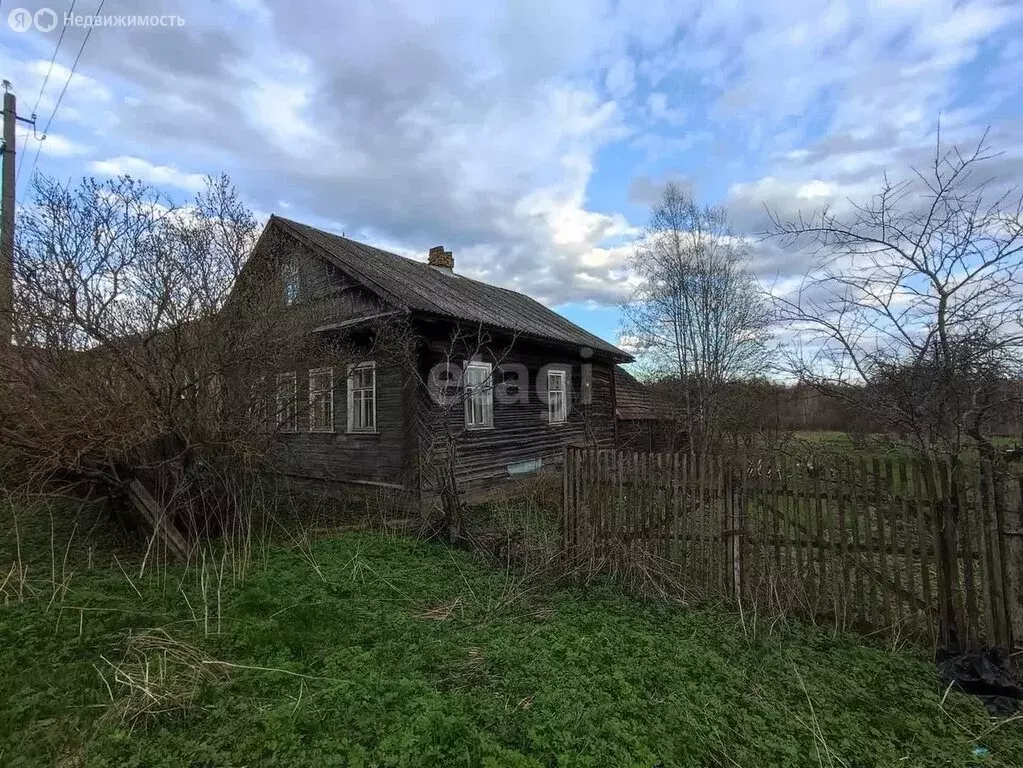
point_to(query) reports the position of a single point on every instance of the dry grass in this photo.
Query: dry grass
(155, 675)
(442, 612)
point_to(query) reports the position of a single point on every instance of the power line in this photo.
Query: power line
(24, 143)
(35, 159)
(53, 58)
(74, 66)
(42, 90)
(63, 90)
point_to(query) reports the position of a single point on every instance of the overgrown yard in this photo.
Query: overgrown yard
(842, 443)
(368, 650)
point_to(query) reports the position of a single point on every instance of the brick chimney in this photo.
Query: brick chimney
(441, 258)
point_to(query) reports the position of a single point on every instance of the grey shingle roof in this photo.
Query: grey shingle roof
(422, 288)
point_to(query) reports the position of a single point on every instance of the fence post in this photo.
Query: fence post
(735, 501)
(995, 545)
(1011, 535)
(727, 554)
(565, 500)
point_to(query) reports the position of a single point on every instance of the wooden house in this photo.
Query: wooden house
(645, 423)
(491, 382)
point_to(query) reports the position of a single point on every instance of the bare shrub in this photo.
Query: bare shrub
(147, 340)
(911, 315)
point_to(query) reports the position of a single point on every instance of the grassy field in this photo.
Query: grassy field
(367, 650)
(841, 441)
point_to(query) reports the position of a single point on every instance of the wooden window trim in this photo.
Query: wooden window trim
(329, 427)
(371, 365)
(488, 401)
(561, 374)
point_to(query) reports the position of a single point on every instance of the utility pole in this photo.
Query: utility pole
(7, 223)
(8, 182)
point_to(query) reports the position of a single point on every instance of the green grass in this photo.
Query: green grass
(395, 652)
(841, 441)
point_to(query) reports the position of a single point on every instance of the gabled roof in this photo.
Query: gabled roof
(435, 291)
(634, 401)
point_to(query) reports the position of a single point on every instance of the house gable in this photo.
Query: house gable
(442, 293)
(356, 286)
(330, 292)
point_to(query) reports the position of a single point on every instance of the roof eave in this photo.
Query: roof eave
(614, 354)
(354, 322)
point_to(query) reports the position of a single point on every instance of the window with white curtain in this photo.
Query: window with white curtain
(321, 400)
(479, 395)
(287, 402)
(557, 398)
(362, 397)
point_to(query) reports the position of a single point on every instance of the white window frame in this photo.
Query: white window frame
(320, 391)
(286, 417)
(486, 396)
(370, 365)
(557, 413)
(292, 287)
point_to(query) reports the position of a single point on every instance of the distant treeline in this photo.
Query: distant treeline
(762, 405)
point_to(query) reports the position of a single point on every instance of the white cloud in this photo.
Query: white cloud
(79, 85)
(54, 145)
(57, 145)
(139, 168)
(658, 109)
(481, 126)
(621, 78)
(632, 344)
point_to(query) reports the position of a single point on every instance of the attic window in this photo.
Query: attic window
(289, 276)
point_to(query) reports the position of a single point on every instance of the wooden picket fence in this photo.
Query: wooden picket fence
(909, 550)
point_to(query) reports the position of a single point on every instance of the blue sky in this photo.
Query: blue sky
(529, 138)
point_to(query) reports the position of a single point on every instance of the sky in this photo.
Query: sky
(530, 138)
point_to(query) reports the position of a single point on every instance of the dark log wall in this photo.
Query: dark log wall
(650, 436)
(635, 435)
(342, 457)
(335, 296)
(384, 457)
(409, 448)
(521, 432)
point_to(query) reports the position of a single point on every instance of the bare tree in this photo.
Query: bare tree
(140, 370)
(451, 405)
(699, 315)
(913, 311)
